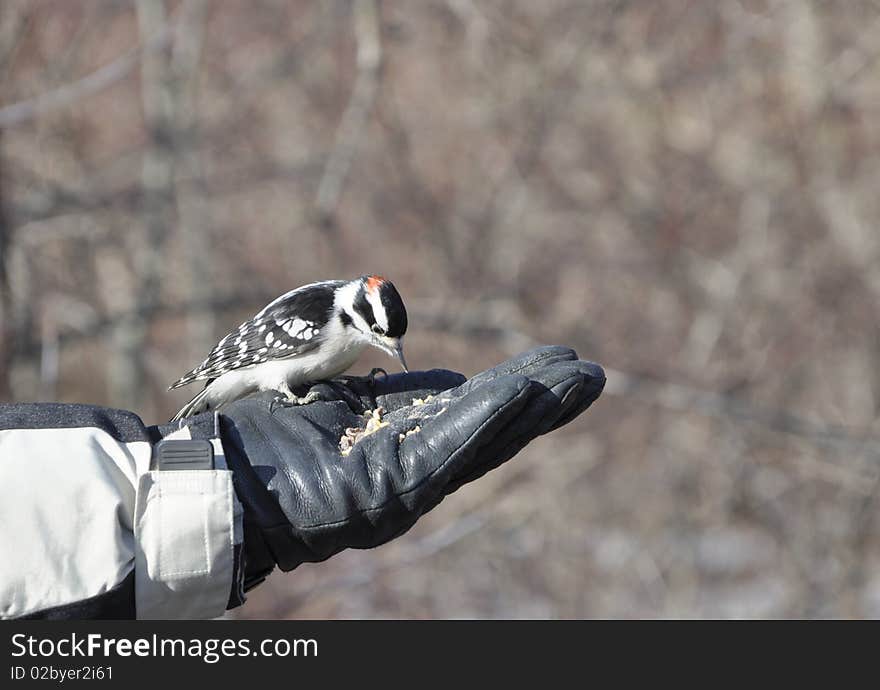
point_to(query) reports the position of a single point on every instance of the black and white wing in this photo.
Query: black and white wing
(287, 327)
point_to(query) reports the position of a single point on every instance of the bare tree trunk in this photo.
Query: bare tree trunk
(193, 219)
(6, 322)
(127, 373)
(355, 119)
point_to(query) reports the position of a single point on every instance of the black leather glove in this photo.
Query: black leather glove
(308, 493)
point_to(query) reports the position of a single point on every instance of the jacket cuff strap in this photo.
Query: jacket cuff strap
(187, 525)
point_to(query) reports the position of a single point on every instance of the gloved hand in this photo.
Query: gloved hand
(306, 499)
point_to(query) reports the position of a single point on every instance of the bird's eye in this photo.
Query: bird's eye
(377, 329)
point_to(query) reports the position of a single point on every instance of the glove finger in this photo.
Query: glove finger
(539, 416)
(390, 481)
(561, 389)
(391, 392)
(525, 364)
(399, 390)
(574, 387)
(587, 394)
(576, 384)
(449, 443)
(505, 449)
(557, 372)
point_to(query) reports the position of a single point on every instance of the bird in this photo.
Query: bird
(312, 333)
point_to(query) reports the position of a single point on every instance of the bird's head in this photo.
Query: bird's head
(372, 306)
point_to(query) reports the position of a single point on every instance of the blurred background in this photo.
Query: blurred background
(683, 191)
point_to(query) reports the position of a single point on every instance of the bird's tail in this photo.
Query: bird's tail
(198, 404)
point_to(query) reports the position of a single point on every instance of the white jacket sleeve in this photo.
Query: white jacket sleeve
(89, 528)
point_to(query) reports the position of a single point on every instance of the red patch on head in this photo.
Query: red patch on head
(373, 282)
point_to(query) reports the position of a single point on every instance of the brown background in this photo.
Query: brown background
(685, 192)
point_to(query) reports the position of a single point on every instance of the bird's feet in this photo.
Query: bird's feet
(287, 398)
(369, 379)
(293, 400)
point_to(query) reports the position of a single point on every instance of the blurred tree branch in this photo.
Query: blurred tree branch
(491, 321)
(68, 94)
(93, 326)
(55, 199)
(367, 31)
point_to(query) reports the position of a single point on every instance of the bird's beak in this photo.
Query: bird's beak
(392, 347)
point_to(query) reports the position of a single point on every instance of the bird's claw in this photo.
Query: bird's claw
(371, 383)
(372, 375)
(369, 380)
(293, 400)
(290, 399)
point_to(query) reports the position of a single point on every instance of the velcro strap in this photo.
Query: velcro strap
(185, 530)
